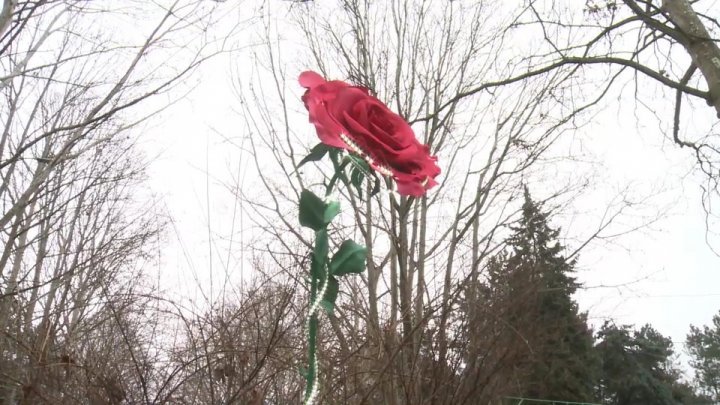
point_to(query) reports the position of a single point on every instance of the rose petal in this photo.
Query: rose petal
(347, 98)
(327, 127)
(310, 79)
(336, 108)
(414, 189)
(370, 141)
(329, 130)
(362, 136)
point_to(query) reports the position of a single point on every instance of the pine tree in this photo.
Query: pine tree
(534, 283)
(637, 368)
(703, 345)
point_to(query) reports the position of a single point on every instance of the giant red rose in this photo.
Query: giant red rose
(348, 117)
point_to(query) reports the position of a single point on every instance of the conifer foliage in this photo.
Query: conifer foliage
(534, 282)
(703, 345)
(638, 368)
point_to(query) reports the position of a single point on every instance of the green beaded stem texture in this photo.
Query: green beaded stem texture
(316, 214)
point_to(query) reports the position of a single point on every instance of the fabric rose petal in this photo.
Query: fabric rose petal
(348, 117)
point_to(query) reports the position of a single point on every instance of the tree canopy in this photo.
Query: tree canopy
(703, 345)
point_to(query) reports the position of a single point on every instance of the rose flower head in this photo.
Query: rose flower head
(348, 117)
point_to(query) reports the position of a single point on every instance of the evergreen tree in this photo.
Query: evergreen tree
(704, 347)
(637, 368)
(533, 282)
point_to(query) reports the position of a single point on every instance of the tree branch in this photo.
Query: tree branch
(703, 51)
(573, 60)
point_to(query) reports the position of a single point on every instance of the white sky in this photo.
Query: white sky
(665, 274)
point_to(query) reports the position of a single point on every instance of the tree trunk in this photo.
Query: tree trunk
(702, 49)
(6, 15)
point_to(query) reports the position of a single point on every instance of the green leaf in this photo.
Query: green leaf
(350, 258)
(331, 211)
(316, 153)
(376, 187)
(356, 178)
(331, 293)
(359, 163)
(335, 154)
(339, 174)
(316, 213)
(312, 211)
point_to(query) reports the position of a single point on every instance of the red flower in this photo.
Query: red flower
(348, 117)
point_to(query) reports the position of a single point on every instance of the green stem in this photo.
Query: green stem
(318, 265)
(311, 387)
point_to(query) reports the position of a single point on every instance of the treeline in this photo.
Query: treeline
(515, 336)
(467, 297)
(557, 355)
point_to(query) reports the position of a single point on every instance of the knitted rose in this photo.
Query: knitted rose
(348, 117)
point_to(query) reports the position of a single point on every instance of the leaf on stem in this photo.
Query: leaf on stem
(316, 153)
(316, 213)
(350, 258)
(356, 178)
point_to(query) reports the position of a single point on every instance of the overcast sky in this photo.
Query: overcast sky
(664, 274)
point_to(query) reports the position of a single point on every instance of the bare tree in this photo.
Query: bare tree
(245, 351)
(444, 67)
(664, 53)
(78, 323)
(76, 228)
